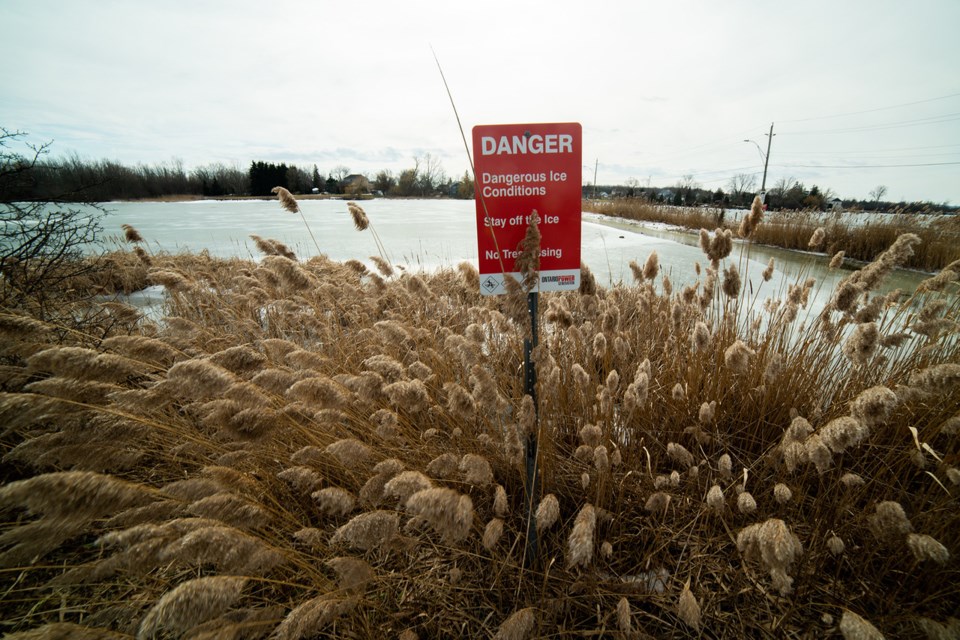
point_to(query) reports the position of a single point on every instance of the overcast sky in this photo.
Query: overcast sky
(663, 89)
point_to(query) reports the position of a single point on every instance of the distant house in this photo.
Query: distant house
(835, 204)
(665, 195)
(355, 183)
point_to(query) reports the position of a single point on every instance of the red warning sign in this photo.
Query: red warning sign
(519, 169)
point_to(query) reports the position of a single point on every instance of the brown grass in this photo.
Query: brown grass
(940, 239)
(310, 449)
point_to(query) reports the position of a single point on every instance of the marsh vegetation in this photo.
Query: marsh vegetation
(309, 448)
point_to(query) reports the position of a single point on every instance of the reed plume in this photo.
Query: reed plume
(289, 203)
(688, 609)
(308, 618)
(448, 512)
(581, 540)
(368, 531)
(854, 627)
(518, 626)
(191, 603)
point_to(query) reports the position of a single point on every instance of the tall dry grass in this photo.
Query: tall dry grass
(940, 238)
(310, 449)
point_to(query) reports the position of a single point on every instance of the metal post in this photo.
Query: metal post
(531, 484)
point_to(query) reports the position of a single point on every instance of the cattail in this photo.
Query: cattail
(816, 240)
(688, 609)
(518, 626)
(308, 618)
(715, 499)
(746, 503)
(737, 357)
(547, 512)
(678, 392)
(584, 480)
(853, 627)
(492, 533)
(637, 272)
(580, 542)
(782, 493)
(925, 547)
(448, 512)
(368, 531)
(190, 604)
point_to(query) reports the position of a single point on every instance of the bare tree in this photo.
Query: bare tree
(430, 173)
(740, 184)
(878, 192)
(42, 239)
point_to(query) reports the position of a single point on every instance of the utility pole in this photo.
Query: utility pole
(595, 165)
(766, 161)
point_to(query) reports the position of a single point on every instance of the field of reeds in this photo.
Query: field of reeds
(307, 449)
(939, 236)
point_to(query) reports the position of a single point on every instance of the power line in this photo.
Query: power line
(856, 113)
(948, 117)
(864, 166)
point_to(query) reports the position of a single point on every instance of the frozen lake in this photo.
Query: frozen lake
(429, 234)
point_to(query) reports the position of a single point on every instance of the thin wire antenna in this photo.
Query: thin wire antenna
(473, 171)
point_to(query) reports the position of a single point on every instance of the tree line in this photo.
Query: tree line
(786, 193)
(56, 178)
